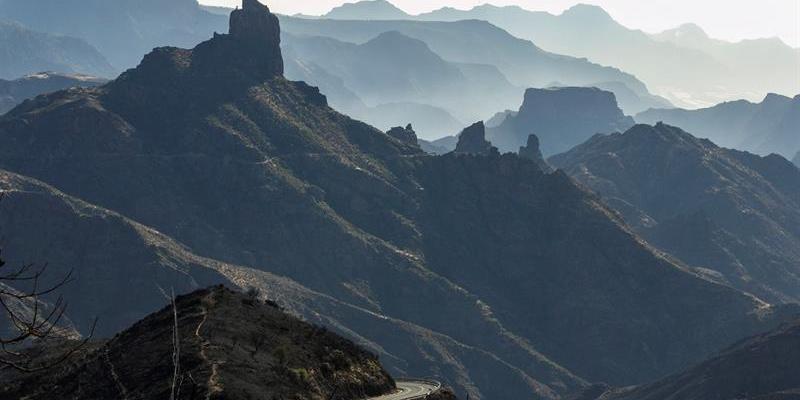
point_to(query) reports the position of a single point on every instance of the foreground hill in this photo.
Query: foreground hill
(764, 367)
(227, 344)
(733, 213)
(16, 91)
(504, 280)
(763, 128)
(24, 51)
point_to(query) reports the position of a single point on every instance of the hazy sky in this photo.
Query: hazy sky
(724, 19)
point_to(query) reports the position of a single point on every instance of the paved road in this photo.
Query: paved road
(408, 390)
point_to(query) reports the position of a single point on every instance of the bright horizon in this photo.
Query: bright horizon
(738, 20)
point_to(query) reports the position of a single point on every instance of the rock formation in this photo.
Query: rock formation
(532, 152)
(472, 140)
(405, 135)
(561, 117)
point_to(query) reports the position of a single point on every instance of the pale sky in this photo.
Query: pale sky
(724, 19)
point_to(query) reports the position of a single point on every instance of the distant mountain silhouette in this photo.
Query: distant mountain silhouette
(763, 128)
(24, 51)
(763, 367)
(484, 270)
(730, 214)
(122, 30)
(688, 62)
(18, 90)
(561, 118)
(367, 10)
(796, 159)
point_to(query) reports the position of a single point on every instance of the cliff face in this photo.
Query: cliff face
(472, 140)
(476, 269)
(722, 211)
(229, 345)
(562, 118)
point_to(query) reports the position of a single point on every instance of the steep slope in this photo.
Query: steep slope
(763, 367)
(731, 212)
(18, 90)
(228, 345)
(24, 51)
(481, 269)
(367, 10)
(694, 72)
(762, 128)
(561, 118)
(473, 42)
(123, 30)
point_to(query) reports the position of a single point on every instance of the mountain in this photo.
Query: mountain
(763, 367)
(367, 10)
(227, 345)
(631, 101)
(689, 72)
(729, 214)
(18, 90)
(483, 271)
(122, 30)
(561, 118)
(796, 159)
(395, 69)
(473, 42)
(24, 51)
(762, 128)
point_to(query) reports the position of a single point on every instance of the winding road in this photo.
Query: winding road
(410, 390)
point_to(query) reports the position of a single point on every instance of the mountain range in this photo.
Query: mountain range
(16, 91)
(24, 51)
(729, 214)
(693, 70)
(770, 126)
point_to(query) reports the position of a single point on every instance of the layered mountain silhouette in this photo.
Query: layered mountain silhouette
(123, 30)
(561, 118)
(763, 367)
(212, 343)
(24, 51)
(367, 10)
(692, 70)
(770, 126)
(499, 278)
(16, 91)
(730, 214)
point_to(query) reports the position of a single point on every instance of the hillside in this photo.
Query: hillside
(24, 51)
(763, 128)
(720, 211)
(763, 367)
(16, 91)
(482, 270)
(561, 117)
(229, 345)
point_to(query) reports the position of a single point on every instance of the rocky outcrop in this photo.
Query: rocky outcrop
(257, 29)
(227, 344)
(721, 211)
(561, 117)
(472, 140)
(405, 135)
(763, 367)
(532, 152)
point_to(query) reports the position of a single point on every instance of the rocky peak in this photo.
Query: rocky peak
(405, 135)
(532, 152)
(472, 140)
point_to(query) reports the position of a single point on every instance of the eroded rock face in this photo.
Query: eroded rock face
(532, 152)
(472, 140)
(562, 118)
(405, 135)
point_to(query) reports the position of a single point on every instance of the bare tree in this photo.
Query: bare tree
(22, 286)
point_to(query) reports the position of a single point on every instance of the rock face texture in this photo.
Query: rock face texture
(762, 367)
(762, 128)
(405, 135)
(484, 271)
(229, 345)
(16, 91)
(532, 152)
(721, 211)
(562, 118)
(472, 140)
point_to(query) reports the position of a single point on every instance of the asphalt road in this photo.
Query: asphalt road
(409, 390)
